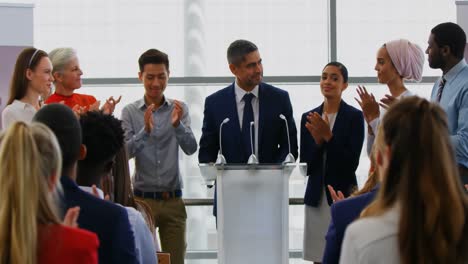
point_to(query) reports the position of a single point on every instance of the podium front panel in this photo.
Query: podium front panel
(253, 215)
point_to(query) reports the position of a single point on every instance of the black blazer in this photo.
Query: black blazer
(343, 151)
(343, 213)
(109, 221)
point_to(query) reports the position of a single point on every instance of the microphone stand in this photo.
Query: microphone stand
(290, 157)
(221, 160)
(252, 159)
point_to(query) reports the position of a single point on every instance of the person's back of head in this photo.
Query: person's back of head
(238, 49)
(103, 137)
(66, 127)
(31, 164)
(451, 35)
(420, 178)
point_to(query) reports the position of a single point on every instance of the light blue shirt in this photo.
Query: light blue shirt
(157, 153)
(144, 243)
(454, 101)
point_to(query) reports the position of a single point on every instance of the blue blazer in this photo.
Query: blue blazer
(109, 221)
(272, 137)
(343, 151)
(343, 213)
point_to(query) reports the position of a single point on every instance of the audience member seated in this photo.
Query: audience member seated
(31, 231)
(420, 213)
(32, 78)
(109, 221)
(67, 74)
(344, 211)
(103, 137)
(122, 192)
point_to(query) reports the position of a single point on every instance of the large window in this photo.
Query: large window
(292, 36)
(110, 35)
(364, 26)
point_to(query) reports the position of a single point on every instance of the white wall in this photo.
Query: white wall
(16, 31)
(462, 19)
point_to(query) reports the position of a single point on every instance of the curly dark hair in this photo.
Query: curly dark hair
(103, 137)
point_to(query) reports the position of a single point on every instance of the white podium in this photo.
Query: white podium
(253, 215)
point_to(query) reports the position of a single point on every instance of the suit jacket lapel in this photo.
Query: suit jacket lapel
(337, 127)
(263, 106)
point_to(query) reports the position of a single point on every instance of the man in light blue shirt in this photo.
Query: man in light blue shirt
(446, 47)
(155, 127)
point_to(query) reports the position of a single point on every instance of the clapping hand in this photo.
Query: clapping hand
(109, 107)
(318, 127)
(387, 101)
(79, 110)
(71, 217)
(177, 113)
(336, 196)
(369, 106)
(149, 122)
(94, 106)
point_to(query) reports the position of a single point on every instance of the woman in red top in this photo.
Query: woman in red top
(30, 229)
(67, 74)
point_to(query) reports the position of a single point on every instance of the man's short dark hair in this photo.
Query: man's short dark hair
(63, 122)
(238, 49)
(451, 35)
(153, 56)
(103, 137)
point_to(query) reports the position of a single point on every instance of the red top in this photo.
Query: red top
(62, 244)
(72, 100)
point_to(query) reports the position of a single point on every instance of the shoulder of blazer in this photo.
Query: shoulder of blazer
(350, 113)
(317, 109)
(341, 209)
(221, 94)
(267, 90)
(348, 108)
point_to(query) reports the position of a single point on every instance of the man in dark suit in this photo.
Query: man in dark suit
(109, 221)
(343, 213)
(247, 100)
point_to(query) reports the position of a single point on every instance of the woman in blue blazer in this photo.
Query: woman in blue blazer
(331, 141)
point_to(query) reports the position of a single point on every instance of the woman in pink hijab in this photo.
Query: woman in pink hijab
(397, 60)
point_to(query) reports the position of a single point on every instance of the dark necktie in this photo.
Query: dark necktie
(441, 89)
(246, 119)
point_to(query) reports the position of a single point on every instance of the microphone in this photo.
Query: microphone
(220, 160)
(289, 158)
(252, 159)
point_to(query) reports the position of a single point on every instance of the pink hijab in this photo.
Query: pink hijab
(407, 57)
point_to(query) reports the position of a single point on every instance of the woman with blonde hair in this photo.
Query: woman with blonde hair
(30, 229)
(32, 79)
(420, 213)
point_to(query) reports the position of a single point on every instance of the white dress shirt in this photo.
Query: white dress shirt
(372, 240)
(240, 109)
(17, 111)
